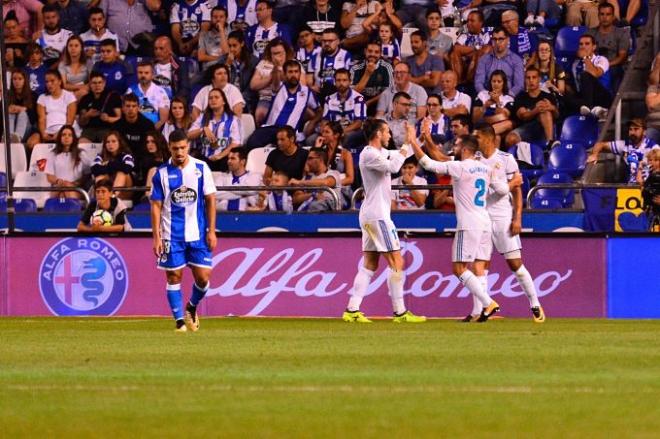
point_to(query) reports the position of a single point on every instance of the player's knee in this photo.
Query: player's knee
(513, 260)
(458, 270)
(173, 278)
(396, 276)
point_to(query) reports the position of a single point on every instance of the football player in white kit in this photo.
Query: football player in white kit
(379, 235)
(471, 181)
(506, 217)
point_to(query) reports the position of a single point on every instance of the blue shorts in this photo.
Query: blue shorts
(178, 254)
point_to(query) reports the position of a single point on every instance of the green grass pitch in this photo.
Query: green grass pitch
(65, 377)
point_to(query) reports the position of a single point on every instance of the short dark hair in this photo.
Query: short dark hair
(331, 30)
(96, 10)
(109, 42)
(412, 160)
(342, 71)
(50, 8)
(433, 10)
(486, 129)
(104, 182)
(96, 74)
(291, 63)
(266, 2)
(591, 37)
(401, 94)
(219, 8)
(145, 63)
(130, 98)
(371, 126)
(322, 152)
(463, 119)
(605, 6)
(290, 132)
(498, 29)
(533, 69)
(421, 34)
(241, 151)
(469, 142)
(479, 14)
(177, 136)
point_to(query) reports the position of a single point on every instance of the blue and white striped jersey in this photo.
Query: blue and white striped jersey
(289, 108)
(352, 109)
(258, 37)
(323, 66)
(190, 17)
(182, 191)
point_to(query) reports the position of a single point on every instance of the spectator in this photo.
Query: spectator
(55, 108)
(493, 9)
(454, 102)
(398, 118)
(97, 110)
(553, 76)
(21, 107)
(320, 16)
(653, 101)
(458, 126)
(220, 79)
(96, 34)
(576, 9)
(409, 199)
(372, 76)
(325, 61)
(133, 126)
(67, 168)
(156, 154)
(73, 15)
(613, 42)
(218, 130)
(631, 12)
(402, 83)
(104, 201)
(241, 14)
(15, 43)
(288, 158)
(276, 200)
(433, 128)
(115, 163)
(291, 104)
(439, 44)
(352, 16)
(413, 11)
(634, 150)
(339, 158)
(237, 176)
(178, 118)
(36, 69)
(538, 11)
(521, 41)
(53, 38)
(187, 19)
(470, 46)
(390, 46)
(266, 29)
(347, 107)
(116, 71)
(591, 80)
(154, 103)
(171, 75)
(74, 67)
(388, 35)
(242, 65)
(130, 20)
(501, 58)
(27, 12)
(268, 76)
(316, 174)
(425, 69)
(306, 45)
(213, 42)
(494, 106)
(536, 110)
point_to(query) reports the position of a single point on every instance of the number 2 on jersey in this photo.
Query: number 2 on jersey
(480, 184)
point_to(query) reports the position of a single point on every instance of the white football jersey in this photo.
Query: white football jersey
(471, 180)
(376, 168)
(504, 166)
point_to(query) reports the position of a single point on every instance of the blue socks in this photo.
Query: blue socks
(198, 293)
(175, 300)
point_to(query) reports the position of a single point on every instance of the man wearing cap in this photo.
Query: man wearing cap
(634, 149)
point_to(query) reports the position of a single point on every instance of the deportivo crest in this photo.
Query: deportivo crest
(83, 276)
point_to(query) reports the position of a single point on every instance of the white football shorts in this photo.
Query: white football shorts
(469, 245)
(506, 245)
(380, 236)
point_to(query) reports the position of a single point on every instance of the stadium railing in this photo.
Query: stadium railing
(577, 186)
(358, 194)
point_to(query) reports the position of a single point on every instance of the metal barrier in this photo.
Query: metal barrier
(576, 186)
(360, 190)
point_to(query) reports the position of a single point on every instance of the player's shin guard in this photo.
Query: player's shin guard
(198, 293)
(476, 303)
(395, 282)
(360, 285)
(472, 283)
(527, 283)
(175, 300)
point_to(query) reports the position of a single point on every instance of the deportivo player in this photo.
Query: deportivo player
(471, 181)
(505, 213)
(379, 235)
(183, 224)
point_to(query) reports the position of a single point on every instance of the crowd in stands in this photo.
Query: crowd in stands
(305, 74)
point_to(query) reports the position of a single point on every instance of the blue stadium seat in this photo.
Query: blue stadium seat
(568, 38)
(538, 161)
(525, 188)
(580, 129)
(549, 198)
(569, 158)
(62, 205)
(25, 205)
(3, 185)
(142, 207)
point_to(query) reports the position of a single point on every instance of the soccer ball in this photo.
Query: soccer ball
(102, 217)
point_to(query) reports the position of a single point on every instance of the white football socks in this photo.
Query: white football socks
(395, 281)
(360, 285)
(476, 304)
(472, 283)
(527, 283)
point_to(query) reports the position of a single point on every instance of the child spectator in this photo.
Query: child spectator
(104, 201)
(67, 168)
(409, 199)
(21, 106)
(116, 72)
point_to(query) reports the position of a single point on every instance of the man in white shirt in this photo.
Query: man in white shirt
(471, 182)
(220, 75)
(154, 103)
(237, 176)
(591, 80)
(379, 235)
(454, 102)
(97, 32)
(53, 38)
(505, 213)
